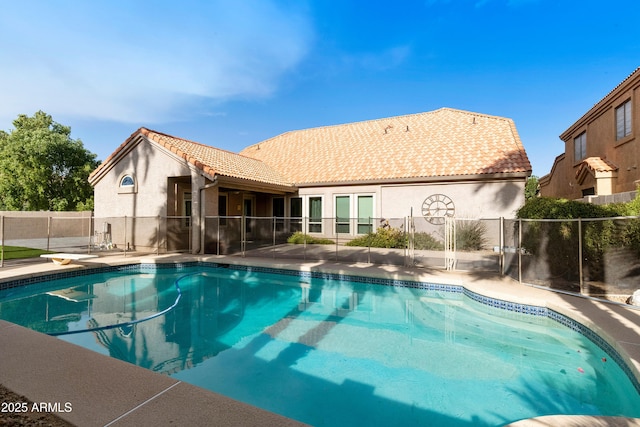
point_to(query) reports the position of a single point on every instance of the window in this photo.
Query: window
(343, 208)
(127, 184)
(623, 120)
(222, 208)
(186, 209)
(295, 211)
(296, 207)
(580, 147)
(591, 191)
(127, 181)
(278, 212)
(315, 214)
(365, 214)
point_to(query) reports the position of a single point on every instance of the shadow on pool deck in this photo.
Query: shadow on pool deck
(106, 391)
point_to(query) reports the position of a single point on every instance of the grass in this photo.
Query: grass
(19, 252)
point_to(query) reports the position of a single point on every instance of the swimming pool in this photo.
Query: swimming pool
(335, 350)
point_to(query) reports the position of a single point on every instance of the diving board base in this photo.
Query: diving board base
(64, 259)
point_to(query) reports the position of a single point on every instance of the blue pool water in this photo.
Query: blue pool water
(334, 352)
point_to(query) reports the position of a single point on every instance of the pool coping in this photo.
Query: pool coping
(151, 397)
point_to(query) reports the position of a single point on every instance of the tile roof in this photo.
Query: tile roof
(212, 161)
(440, 143)
(596, 164)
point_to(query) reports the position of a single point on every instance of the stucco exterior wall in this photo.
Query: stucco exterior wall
(599, 124)
(150, 166)
(472, 199)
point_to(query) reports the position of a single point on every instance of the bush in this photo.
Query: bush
(384, 237)
(559, 240)
(298, 238)
(550, 208)
(470, 235)
(425, 241)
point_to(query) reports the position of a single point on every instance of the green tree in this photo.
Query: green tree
(531, 188)
(42, 168)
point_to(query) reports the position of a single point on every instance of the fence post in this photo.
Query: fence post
(2, 231)
(580, 254)
(369, 243)
(158, 235)
(501, 261)
(190, 228)
(519, 247)
(124, 244)
(48, 231)
(274, 238)
(243, 234)
(218, 237)
(304, 237)
(335, 231)
(90, 232)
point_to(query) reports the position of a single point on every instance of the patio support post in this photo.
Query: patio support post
(580, 254)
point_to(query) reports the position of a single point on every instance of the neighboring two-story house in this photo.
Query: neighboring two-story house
(601, 159)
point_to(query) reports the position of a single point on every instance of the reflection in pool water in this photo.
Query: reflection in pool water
(330, 352)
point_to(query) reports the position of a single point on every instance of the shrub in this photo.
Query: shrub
(470, 235)
(425, 241)
(298, 238)
(384, 237)
(559, 240)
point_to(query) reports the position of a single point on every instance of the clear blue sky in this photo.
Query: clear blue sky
(232, 73)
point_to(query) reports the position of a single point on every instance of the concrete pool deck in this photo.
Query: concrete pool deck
(106, 391)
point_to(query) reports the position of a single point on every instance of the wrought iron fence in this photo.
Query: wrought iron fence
(597, 257)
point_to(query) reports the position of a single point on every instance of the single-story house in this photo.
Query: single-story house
(326, 181)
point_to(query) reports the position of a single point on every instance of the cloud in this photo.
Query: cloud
(129, 62)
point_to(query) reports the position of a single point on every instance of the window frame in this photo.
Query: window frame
(186, 208)
(623, 120)
(342, 223)
(127, 188)
(360, 223)
(314, 224)
(279, 213)
(580, 147)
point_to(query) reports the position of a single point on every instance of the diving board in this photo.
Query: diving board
(64, 259)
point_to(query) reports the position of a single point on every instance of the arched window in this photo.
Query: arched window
(127, 181)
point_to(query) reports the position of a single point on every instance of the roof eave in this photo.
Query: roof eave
(418, 180)
(122, 150)
(251, 185)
